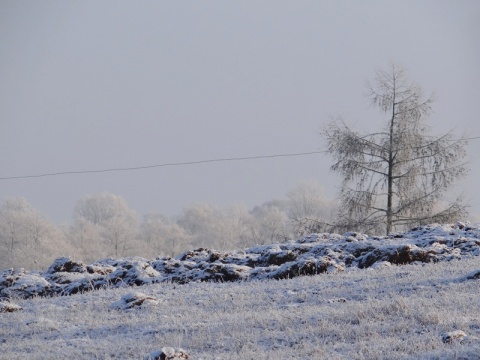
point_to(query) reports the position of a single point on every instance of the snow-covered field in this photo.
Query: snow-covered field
(420, 310)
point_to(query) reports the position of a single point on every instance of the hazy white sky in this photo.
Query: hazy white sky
(90, 85)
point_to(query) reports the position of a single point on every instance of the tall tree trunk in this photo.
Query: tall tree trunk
(390, 174)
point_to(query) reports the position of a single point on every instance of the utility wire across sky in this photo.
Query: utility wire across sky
(162, 165)
(185, 163)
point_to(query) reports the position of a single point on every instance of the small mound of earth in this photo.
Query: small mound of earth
(9, 307)
(453, 336)
(167, 353)
(131, 300)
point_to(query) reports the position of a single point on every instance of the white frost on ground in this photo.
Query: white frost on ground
(394, 312)
(400, 311)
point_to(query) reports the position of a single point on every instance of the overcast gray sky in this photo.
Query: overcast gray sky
(88, 85)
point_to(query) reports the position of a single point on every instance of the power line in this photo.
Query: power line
(134, 168)
(162, 165)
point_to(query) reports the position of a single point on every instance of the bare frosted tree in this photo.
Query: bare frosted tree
(233, 227)
(398, 176)
(200, 221)
(163, 236)
(215, 227)
(27, 238)
(269, 224)
(309, 209)
(104, 225)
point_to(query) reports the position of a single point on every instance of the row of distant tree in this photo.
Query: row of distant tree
(103, 226)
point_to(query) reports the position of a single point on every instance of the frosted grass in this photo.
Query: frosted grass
(397, 312)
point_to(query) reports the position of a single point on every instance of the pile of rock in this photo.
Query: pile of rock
(310, 255)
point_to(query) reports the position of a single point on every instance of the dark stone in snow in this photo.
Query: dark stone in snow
(167, 353)
(65, 264)
(399, 255)
(277, 258)
(451, 336)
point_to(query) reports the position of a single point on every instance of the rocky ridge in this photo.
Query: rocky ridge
(309, 255)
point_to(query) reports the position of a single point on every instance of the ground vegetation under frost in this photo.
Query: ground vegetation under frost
(416, 311)
(406, 296)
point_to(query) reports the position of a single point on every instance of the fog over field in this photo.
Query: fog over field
(121, 84)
